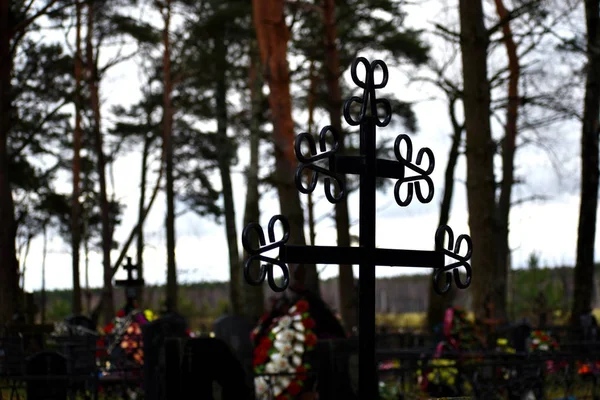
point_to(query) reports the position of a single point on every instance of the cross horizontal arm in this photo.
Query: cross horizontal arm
(358, 255)
(354, 164)
(129, 282)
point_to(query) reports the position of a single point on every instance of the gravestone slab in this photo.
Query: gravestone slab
(48, 364)
(154, 335)
(235, 331)
(337, 368)
(80, 324)
(209, 366)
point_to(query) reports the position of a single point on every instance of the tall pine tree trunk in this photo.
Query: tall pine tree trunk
(141, 208)
(508, 157)
(334, 107)
(43, 289)
(168, 151)
(586, 234)
(438, 304)
(9, 268)
(76, 169)
(480, 153)
(272, 35)
(255, 300)
(107, 291)
(224, 160)
(311, 102)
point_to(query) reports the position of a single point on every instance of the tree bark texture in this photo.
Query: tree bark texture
(311, 100)
(586, 233)
(92, 71)
(224, 161)
(9, 268)
(168, 151)
(76, 170)
(272, 36)
(334, 107)
(254, 295)
(508, 158)
(437, 304)
(480, 155)
(141, 207)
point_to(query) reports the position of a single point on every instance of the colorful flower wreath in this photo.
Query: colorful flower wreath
(280, 355)
(127, 335)
(542, 341)
(459, 330)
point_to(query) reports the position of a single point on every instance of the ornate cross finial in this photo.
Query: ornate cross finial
(369, 100)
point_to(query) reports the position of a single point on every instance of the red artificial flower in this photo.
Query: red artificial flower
(294, 388)
(265, 343)
(311, 339)
(302, 306)
(309, 323)
(109, 328)
(120, 313)
(259, 358)
(301, 372)
(101, 346)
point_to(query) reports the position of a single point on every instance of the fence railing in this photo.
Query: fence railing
(408, 367)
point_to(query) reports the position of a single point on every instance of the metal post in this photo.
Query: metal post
(368, 385)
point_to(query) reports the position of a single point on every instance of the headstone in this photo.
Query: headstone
(80, 324)
(154, 335)
(12, 356)
(337, 369)
(520, 336)
(235, 331)
(208, 366)
(130, 284)
(542, 310)
(47, 364)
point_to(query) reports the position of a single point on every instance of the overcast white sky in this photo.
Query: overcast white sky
(547, 227)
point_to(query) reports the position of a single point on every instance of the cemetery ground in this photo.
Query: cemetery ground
(523, 361)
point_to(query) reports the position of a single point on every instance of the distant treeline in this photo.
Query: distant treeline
(204, 301)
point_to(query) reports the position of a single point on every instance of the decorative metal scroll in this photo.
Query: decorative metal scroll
(256, 254)
(310, 163)
(369, 86)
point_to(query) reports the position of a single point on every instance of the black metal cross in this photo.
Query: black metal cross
(367, 255)
(130, 284)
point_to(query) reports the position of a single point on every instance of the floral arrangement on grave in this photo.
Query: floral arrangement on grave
(542, 341)
(503, 346)
(282, 352)
(126, 334)
(459, 331)
(440, 376)
(283, 342)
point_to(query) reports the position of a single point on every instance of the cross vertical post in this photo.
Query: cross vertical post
(368, 387)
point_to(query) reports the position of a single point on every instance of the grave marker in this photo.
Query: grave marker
(367, 255)
(52, 366)
(131, 284)
(154, 335)
(235, 331)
